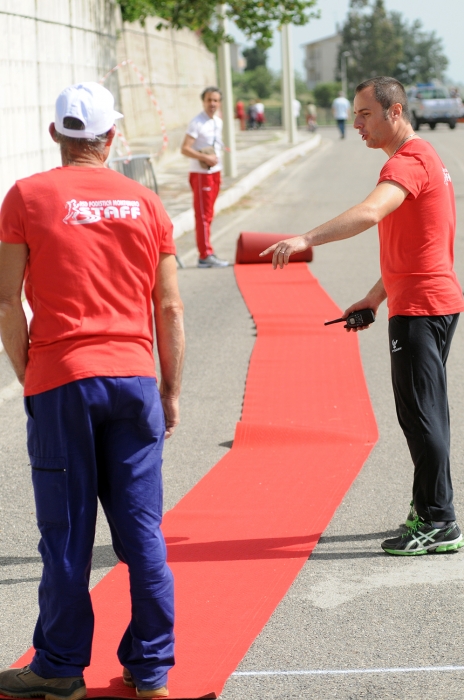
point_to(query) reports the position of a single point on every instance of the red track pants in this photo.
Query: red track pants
(205, 191)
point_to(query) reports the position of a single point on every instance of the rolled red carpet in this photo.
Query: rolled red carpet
(250, 245)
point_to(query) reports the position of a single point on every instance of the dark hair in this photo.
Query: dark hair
(73, 123)
(69, 143)
(211, 88)
(387, 91)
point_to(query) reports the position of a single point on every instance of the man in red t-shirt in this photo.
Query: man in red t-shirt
(413, 205)
(96, 253)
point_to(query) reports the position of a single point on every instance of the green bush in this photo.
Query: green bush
(259, 82)
(325, 93)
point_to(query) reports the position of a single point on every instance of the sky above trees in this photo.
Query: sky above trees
(447, 23)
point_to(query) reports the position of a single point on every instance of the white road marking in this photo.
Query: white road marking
(11, 391)
(349, 671)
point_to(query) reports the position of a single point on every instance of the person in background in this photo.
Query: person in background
(341, 110)
(311, 116)
(259, 111)
(240, 114)
(251, 114)
(296, 109)
(203, 145)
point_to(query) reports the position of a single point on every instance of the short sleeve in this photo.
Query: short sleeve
(193, 129)
(13, 217)
(166, 230)
(167, 241)
(407, 170)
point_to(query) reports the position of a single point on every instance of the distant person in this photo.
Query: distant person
(240, 114)
(251, 114)
(296, 105)
(259, 111)
(311, 116)
(341, 109)
(96, 253)
(414, 207)
(203, 145)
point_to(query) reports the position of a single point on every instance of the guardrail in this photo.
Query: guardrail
(138, 167)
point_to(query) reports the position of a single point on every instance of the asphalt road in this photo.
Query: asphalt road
(352, 607)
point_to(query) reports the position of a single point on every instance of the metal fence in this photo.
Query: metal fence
(273, 117)
(138, 167)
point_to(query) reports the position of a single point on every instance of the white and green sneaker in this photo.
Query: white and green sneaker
(425, 538)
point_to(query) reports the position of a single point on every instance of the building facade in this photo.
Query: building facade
(237, 61)
(321, 60)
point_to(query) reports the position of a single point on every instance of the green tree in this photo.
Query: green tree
(256, 18)
(255, 56)
(325, 93)
(259, 82)
(371, 38)
(423, 59)
(383, 43)
(302, 92)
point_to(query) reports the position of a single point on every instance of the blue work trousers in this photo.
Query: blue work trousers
(100, 438)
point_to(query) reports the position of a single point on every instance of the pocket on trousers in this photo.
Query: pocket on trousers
(151, 418)
(50, 482)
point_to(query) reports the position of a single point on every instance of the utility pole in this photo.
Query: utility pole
(344, 56)
(288, 84)
(225, 83)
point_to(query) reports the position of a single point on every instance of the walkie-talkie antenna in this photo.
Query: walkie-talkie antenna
(337, 320)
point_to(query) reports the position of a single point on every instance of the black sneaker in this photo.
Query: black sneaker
(212, 261)
(423, 537)
(24, 683)
(412, 515)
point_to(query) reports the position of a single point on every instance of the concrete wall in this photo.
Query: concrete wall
(46, 45)
(178, 67)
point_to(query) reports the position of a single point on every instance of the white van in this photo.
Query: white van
(432, 104)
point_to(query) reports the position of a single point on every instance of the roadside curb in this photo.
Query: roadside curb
(186, 221)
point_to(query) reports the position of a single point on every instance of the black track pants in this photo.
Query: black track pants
(419, 348)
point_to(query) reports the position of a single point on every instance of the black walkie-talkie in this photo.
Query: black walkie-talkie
(363, 317)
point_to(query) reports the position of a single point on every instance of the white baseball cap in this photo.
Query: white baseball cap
(92, 103)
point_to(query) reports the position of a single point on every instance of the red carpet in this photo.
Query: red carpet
(239, 537)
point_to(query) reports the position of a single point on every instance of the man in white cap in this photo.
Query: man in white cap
(95, 250)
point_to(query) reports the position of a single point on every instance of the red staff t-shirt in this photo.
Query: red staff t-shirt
(417, 239)
(94, 239)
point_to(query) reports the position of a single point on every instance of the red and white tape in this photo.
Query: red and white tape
(149, 91)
